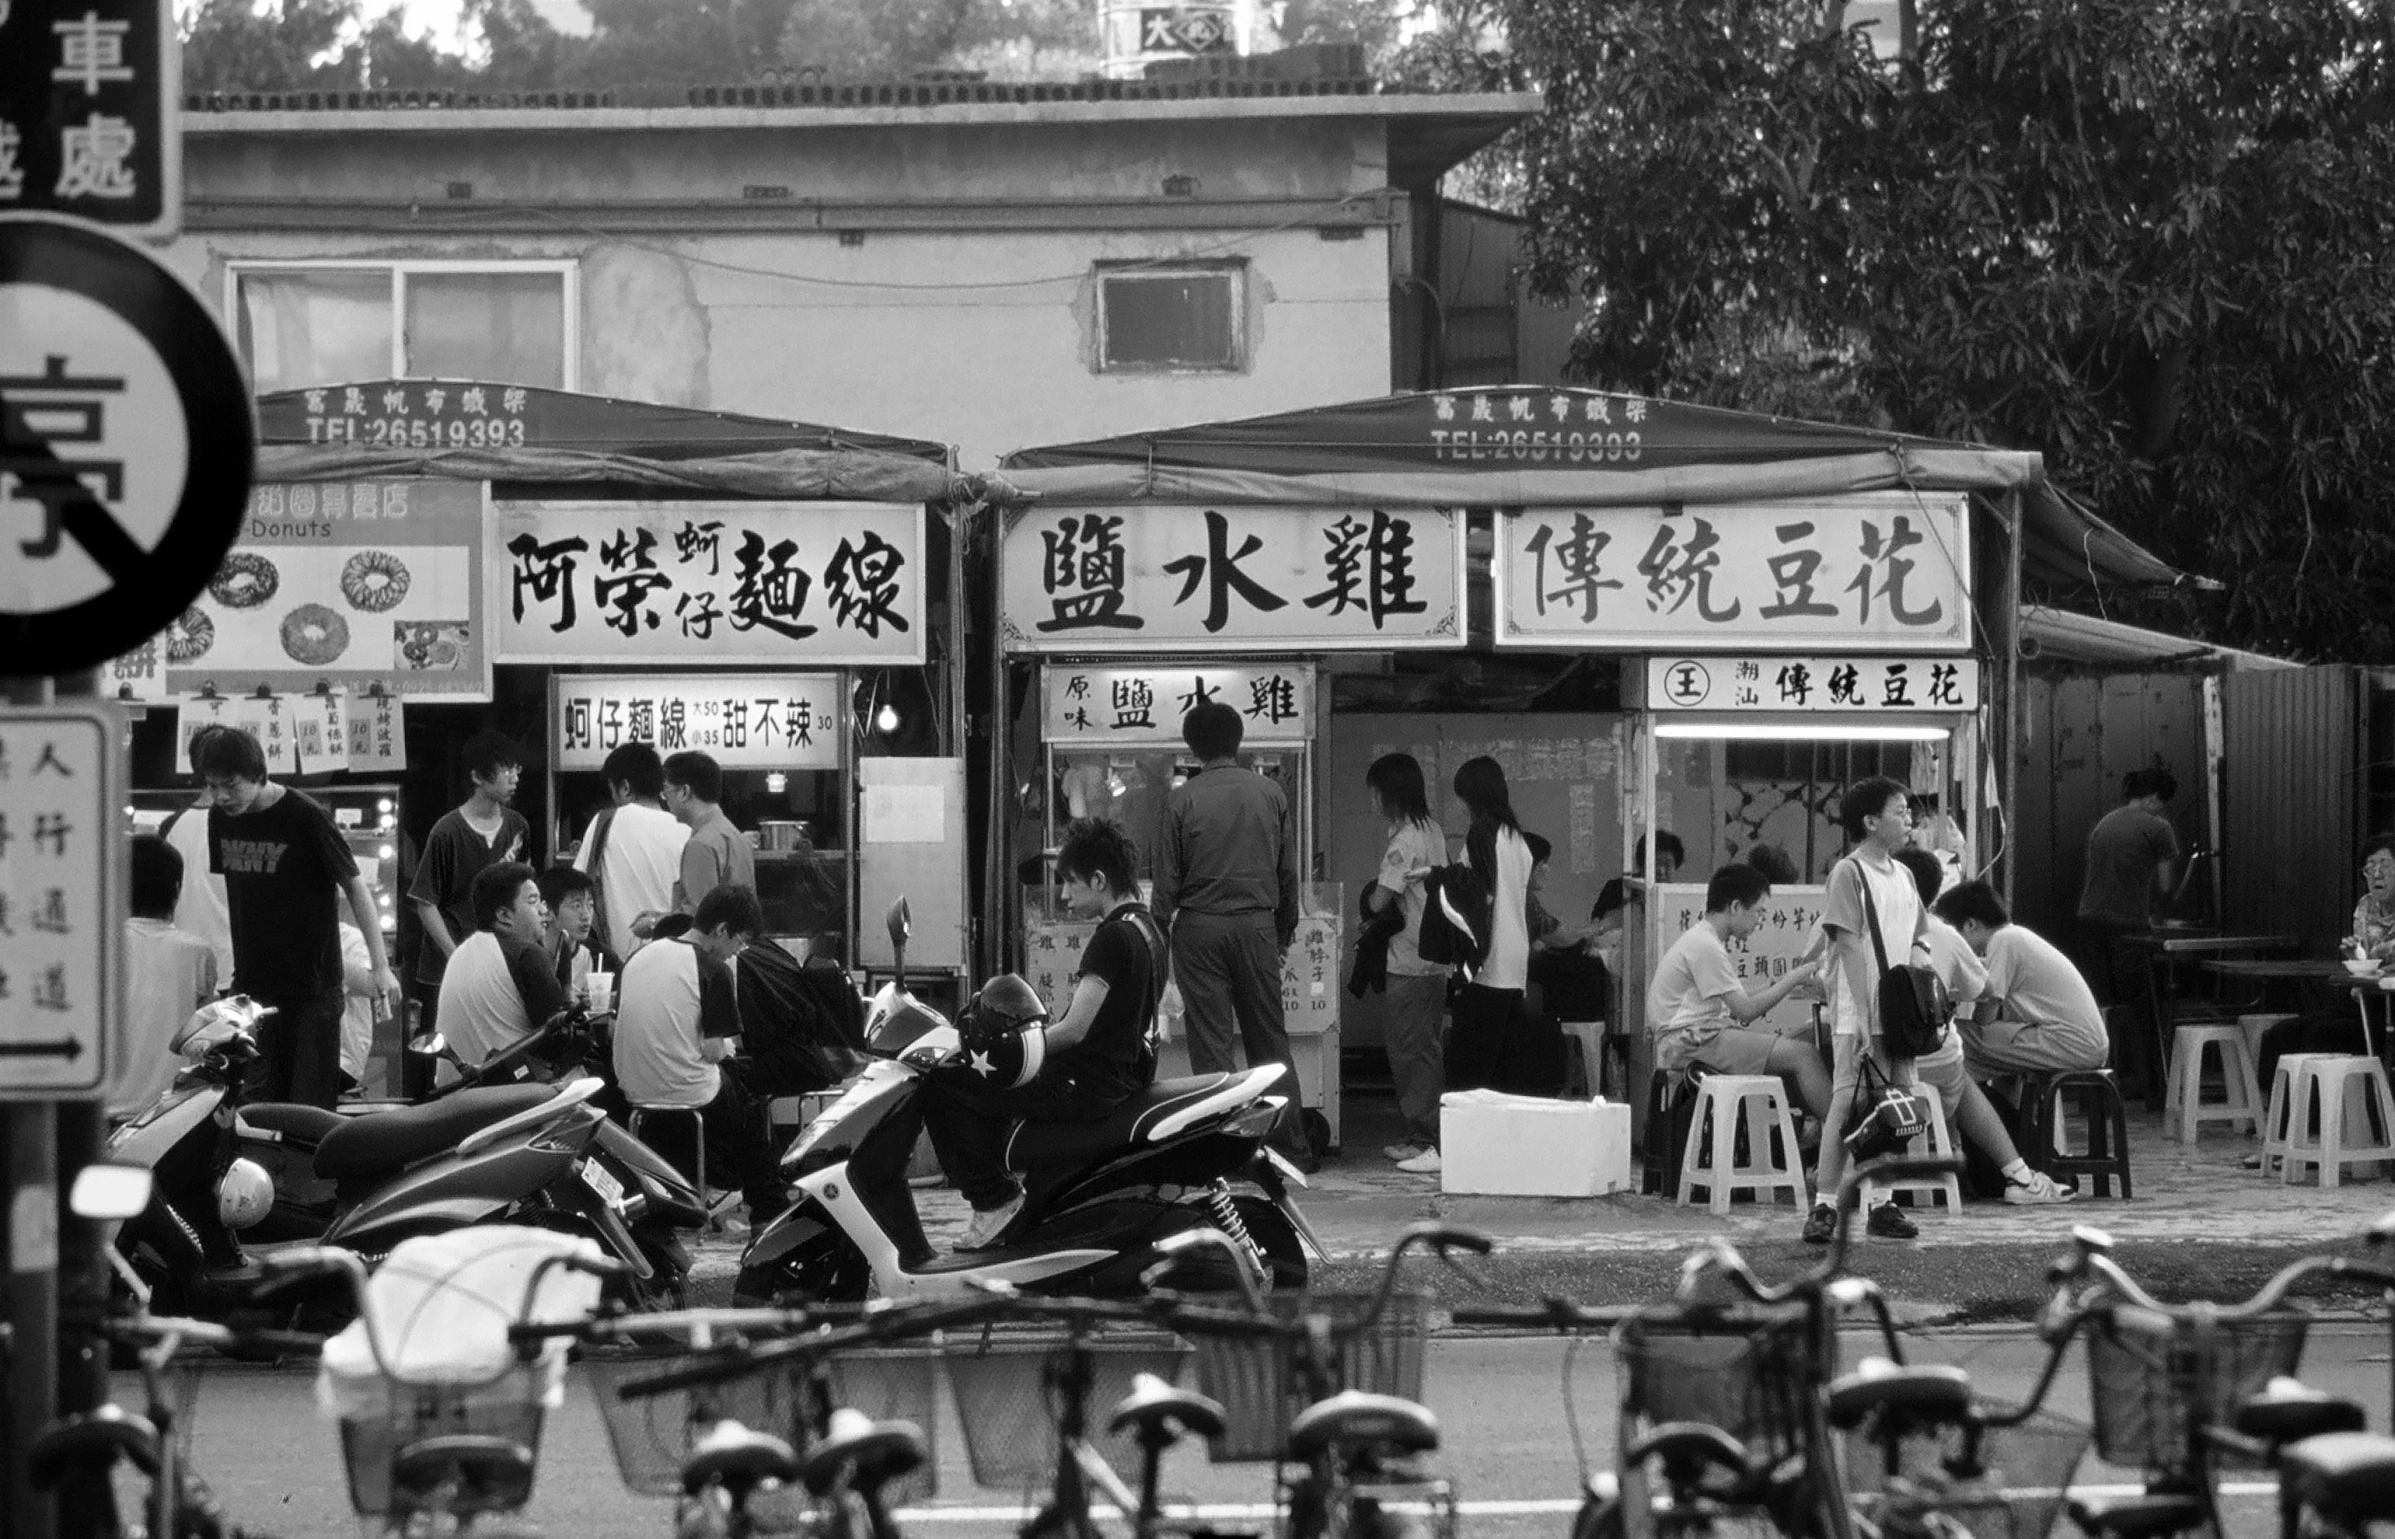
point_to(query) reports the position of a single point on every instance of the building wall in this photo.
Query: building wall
(2082, 733)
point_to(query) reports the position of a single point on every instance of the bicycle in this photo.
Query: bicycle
(1723, 1421)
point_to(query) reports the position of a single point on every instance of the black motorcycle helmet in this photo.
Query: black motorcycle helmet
(1005, 1004)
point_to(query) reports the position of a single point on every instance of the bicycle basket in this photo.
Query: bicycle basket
(1008, 1410)
(1748, 1371)
(652, 1435)
(2152, 1380)
(510, 1406)
(1261, 1387)
(2017, 1495)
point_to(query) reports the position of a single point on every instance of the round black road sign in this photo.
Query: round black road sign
(126, 446)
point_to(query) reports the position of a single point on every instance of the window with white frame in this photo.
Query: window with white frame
(1185, 316)
(300, 324)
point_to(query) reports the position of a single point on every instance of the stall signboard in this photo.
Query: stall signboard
(1875, 572)
(1143, 703)
(772, 721)
(1179, 578)
(1310, 981)
(345, 584)
(725, 584)
(1813, 683)
(1791, 921)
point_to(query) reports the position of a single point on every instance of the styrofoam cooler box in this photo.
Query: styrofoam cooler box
(1528, 1146)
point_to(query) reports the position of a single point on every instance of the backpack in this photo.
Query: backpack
(1456, 910)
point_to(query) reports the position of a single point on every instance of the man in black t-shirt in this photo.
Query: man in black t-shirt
(1098, 1056)
(284, 865)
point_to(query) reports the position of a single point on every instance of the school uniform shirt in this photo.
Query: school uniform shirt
(285, 867)
(1508, 964)
(168, 975)
(454, 854)
(717, 855)
(200, 910)
(1898, 901)
(638, 868)
(1956, 964)
(495, 991)
(675, 1006)
(1688, 1004)
(357, 1008)
(2039, 985)
(1412, 848)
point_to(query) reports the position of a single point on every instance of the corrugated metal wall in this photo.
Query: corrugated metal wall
(2292, 808)
(2084, 732)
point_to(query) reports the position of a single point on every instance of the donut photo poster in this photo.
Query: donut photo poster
(343, 583)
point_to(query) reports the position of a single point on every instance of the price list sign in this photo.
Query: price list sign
(62, 902)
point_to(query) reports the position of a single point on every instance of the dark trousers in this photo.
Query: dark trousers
(2119, 967)
(968, 1117)
(1229, 969)
(739, 1147)
(1489, 1042)
(299, 1050)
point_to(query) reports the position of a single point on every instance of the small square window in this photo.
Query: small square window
(1170, 318)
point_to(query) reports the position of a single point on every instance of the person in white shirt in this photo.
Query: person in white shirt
(1415, 996)
(632, 851)
(1700, 1012)
(677, 1011)
(357, 1008)
(201, 909)
(2036, 1014)
(500, 984)
(168, 974)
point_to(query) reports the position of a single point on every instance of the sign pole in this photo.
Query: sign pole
(32, 1184)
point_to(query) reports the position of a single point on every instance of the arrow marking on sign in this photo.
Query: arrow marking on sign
(68, 1048)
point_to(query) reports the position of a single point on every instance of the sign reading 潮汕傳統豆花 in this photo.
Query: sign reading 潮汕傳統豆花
(91, 113)
(1863, 682)
(62, 901)
(1122, 705)
(1876, 572)
(723, 584)
(768, 721)
(1183, 578)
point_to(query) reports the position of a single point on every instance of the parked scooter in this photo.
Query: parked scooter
(1182, 1154)
(516, 1154)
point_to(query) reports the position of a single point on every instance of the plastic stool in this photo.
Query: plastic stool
(717, 1207)
(1723, 1101)
(2329, 1086)
(1941, 1142)
(2251, 1028)
(2098, 1098)
(2185, 1110)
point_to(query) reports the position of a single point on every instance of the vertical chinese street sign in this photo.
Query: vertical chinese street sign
(90, 113)
(1160, 577)
(1874, 571)
(62, 901)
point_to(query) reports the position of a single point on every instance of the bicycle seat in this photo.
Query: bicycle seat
(870, 1453)
(1161, 1415)
(300, 1124)
(738, 1459)
(487, 1474)
(2288, 1412)
(1164, 1110)
(1927, 1396)
(1353, 1416)
(1686, 1448)
(2347, 1477)
(92, 1441)
(386, 1141)
(2153, 1515)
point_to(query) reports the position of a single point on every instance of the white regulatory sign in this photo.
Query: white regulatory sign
(62, 902)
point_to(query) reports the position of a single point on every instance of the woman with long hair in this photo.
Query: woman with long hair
(1486, 1046)
(1415, 998)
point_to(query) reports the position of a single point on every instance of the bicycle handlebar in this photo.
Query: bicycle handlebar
(1721, 1256)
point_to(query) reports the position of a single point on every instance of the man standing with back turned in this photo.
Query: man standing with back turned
(1226, 890)
(2129, 857)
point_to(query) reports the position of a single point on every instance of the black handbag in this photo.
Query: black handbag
(1884, 1119)
(1913, 1007)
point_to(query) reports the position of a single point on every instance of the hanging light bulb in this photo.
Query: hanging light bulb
(885, 720)
(776, 782)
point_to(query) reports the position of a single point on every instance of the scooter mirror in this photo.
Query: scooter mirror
(110, 1191)
(430, 1043)
(901, 922)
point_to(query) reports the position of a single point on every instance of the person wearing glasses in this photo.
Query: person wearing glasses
(2373, 939)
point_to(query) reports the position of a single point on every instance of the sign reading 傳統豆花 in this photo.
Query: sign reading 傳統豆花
(1865, 682)
(1872, 572)
(90, 113)
(1175, 578)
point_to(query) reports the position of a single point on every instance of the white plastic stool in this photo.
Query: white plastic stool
(1761, 1102)
(2251, 1028)
(2336, 1086)
(1941, 1142)
(2184, 1108)
(1587, 1039)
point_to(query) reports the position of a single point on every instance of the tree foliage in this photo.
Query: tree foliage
(2145, 237)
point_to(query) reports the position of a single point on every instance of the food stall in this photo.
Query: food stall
(1660, 542)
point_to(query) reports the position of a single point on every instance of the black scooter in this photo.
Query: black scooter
(1183, 1154)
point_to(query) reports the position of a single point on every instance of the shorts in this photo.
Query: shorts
(1743, 1050)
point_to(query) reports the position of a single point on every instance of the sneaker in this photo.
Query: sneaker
(1424, 1164)
(1887, 1222)
(1821, 1225)
(988, 1223)
(1401, 1152)
(2037, 1187)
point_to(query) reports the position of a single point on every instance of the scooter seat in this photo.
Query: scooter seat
(2346, 1477)
(364, 1146)
(301, 1124)
(91, 1441)
(1164, 1109)
(1354, 1416)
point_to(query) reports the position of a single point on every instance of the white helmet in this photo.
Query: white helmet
(244, 1194)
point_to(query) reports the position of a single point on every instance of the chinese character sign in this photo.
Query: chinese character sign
(1872, 572)
(62, 903)
(724, 584)
(1181, 578)
(784, 721)
(1310, 978)
(1145, 703)
(348, 584)
(1784, 681)
(89, 123)
(1790, 916)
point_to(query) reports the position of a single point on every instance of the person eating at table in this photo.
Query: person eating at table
(2339, 1029)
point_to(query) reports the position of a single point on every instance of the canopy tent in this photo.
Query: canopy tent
(487, 431)
(2065, 547)
(2059, 636)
